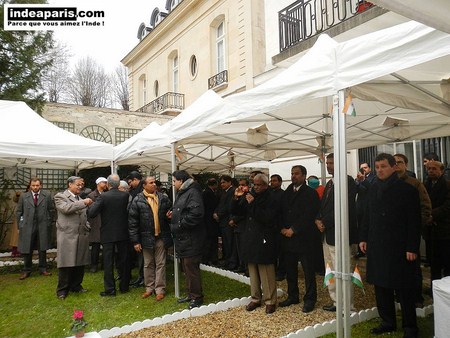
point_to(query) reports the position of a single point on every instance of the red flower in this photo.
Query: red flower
(77, 314)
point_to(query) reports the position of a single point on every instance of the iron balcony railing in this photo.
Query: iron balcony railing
(307, 18)
(167, 101)
(218, 79)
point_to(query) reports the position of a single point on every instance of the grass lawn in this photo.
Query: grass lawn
(30, 307)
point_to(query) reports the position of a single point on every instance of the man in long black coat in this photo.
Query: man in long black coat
(390, 237)
(260, 209)
(300, 204)
(113, 208)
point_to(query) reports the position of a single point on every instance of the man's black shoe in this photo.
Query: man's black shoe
(108, 293)
(138, 281)
(382, 329)
(280, 277)
(195, 303)
(307, 308)
(184, 299)
(288, 302)
(331, 308)
(80, 290)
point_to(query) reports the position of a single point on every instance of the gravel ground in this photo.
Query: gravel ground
(238, 322)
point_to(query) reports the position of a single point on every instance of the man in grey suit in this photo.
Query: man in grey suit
(34, 215)
(72, 238)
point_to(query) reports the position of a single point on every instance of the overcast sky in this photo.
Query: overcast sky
(110, 43)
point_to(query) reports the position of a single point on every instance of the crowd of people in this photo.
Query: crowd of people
(251, 226)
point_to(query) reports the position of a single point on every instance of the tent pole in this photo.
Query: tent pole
(343, 279)
(175, 260)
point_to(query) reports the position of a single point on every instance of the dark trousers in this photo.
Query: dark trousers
(227, 235)
(69, 279)
(191, 268)
(95, 253)
(28, 258)
(291, 263)
(122, 262)
(440, 258)
(211, 248)
(28, 261)
(386, 307)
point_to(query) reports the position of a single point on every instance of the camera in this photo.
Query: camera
(361, 170)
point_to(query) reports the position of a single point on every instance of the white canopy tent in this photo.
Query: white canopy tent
(28, 140)
(291, 112)
(433, 13)
(290, 115)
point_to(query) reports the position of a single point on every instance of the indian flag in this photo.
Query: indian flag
(349, 107)
(356, 278)
(329, 276)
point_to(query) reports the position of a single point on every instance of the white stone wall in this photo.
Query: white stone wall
(110, 119)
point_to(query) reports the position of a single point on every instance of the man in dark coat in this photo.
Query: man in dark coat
(210, 201)
(188, 231)
(390, 237)
(326, 225)
(94, 234)
(112, 206)
(300, 204)
(260, 209)
(150, 234)
(34, 215)
(222, 215)
(438, 188)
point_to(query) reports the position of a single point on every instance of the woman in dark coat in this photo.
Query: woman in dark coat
(260, 208)
(188, 231)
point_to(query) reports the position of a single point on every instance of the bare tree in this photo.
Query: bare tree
(121, 87)
(56, 79)
(90, 85)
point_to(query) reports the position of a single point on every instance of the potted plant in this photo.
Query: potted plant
(78, 323)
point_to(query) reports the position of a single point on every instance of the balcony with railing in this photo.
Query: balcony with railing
(167, 104)
(305, 19)
(218, 81)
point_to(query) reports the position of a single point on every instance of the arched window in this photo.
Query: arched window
(220, 47)
(175, 74)
(156, 88)
(97, 133)
(142, 90)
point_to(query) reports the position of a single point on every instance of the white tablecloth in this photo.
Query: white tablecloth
(441, 300)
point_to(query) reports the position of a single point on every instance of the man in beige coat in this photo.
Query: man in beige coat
(72, 238)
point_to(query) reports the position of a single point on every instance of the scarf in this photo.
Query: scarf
(152, 200)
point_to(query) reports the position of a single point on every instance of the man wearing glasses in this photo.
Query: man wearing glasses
(72, 237)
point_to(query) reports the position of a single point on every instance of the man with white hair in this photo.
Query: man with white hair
(260, 208)
(113, 208)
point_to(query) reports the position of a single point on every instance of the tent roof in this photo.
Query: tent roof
(28, 140)
(394, 76)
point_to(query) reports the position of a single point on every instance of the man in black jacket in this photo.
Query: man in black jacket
(150, 234)
(390, 237)
(300, 204)
(326, 224)
(112, 206)
(188, 230)
(438, 188)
